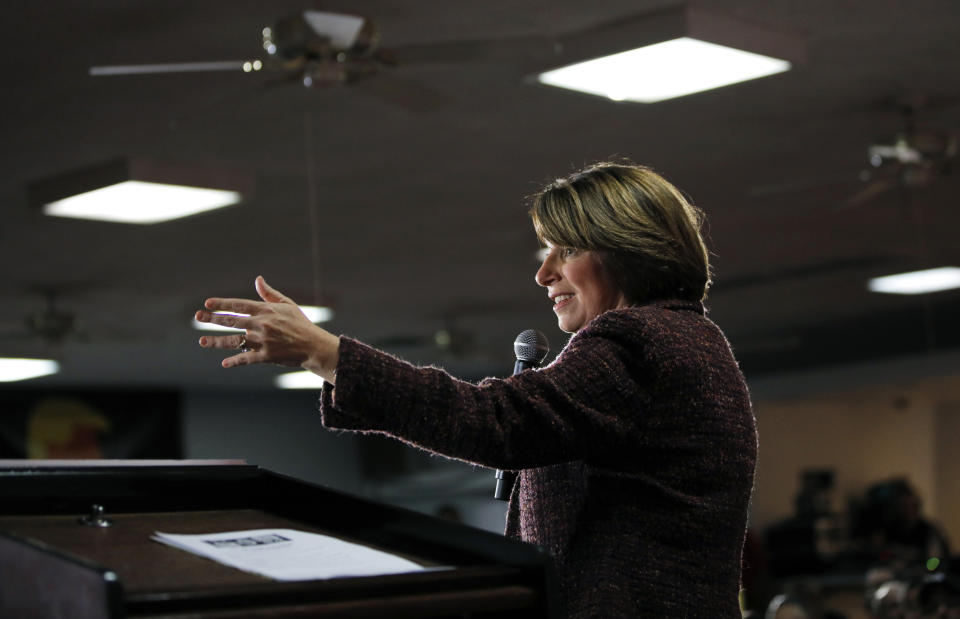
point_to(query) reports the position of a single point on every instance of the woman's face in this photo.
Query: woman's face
(580, 288)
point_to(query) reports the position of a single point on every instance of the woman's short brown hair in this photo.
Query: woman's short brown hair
(646, 232)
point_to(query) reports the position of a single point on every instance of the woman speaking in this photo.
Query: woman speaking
(635, 447)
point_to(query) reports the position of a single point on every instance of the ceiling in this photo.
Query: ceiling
(400, 199)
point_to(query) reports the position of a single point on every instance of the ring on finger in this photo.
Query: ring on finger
(243, 343)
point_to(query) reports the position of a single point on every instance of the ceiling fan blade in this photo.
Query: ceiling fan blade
(798, 186)
(871, 191)
(174, 67)
(540, 46)
(408, 94)
(466, 51)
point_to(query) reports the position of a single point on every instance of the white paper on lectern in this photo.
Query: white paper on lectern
(288, 554)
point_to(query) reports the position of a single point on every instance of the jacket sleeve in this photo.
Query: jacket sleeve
(581, 402)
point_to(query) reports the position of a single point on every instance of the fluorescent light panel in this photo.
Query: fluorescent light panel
(917, 282)
(299, 380)
(141, 202)
(315, 313)
(14, 369)
(664, 70)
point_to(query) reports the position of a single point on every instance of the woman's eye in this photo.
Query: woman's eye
(561, 252)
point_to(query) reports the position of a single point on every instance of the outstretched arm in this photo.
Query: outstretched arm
(276, 331)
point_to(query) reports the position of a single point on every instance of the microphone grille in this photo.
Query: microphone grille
(531, 346)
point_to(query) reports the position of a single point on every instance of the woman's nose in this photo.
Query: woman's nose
(546, 274)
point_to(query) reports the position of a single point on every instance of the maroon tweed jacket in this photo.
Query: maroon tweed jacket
(636, 446)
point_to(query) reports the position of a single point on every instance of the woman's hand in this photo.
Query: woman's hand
(276, 332)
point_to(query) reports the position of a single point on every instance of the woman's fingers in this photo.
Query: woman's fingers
(225, 341)
(244, 358)
(225, 320)
(268, 293)
(239, 306)
(275, 331)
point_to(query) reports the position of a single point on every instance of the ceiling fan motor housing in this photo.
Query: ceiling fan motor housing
(317, 35)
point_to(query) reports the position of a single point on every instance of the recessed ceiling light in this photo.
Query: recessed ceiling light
(139, 202)
(315, 313)
(138, 191)
(917, 282)
(14, 369)
(664, 70)
(299, 380)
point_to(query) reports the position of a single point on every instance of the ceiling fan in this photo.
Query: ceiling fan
(915, 157)
(50, 326)
(318, 48)
(912, 158)
(322, 50)
(450, 337)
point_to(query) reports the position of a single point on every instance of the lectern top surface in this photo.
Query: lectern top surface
(146, 566)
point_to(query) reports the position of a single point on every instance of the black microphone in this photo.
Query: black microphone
(531, 348)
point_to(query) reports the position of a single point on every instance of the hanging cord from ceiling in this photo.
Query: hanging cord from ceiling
(313, 214)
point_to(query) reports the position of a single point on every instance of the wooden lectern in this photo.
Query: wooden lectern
(54, 565)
